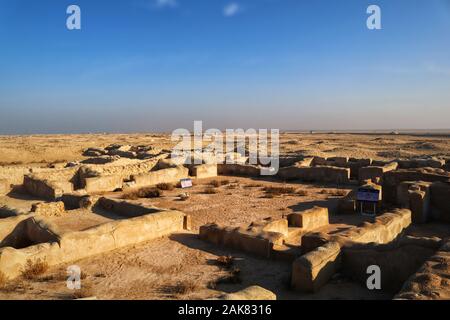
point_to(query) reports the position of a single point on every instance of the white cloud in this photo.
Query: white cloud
(231, 9)
(166, 3)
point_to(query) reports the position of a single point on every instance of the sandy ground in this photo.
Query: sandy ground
(63, 148)
(159, 268)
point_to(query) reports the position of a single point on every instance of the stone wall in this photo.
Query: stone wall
(258, 242)
(15, 174)
(353, 164)
(46, 189)
(323, 258)
(431, 280)
(204, 171)
(313, 270)
(384, 229)
(125, 168)
(7, 226)
(127, 208)
(24, 231)
(397, 260)
(309, 219)
(102, 183)
(170, 175)
(393, 178)
(421, 163)
(376, 173)
(49, 209)
(316, 174)
(103, 238)
(238, 170)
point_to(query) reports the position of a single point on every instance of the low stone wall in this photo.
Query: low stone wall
(106, 237)
(14, 175)
(384, 229)
(106, 183)
(23, 231)
(170, 175)
(46, 189)
(323, 258)
(238, 170)
(309, 219)
(421, 163)
(356, 164)
(76, 199)
(375, 173)
(7, 226)
(250, 293)
(393, 178)
(125, 168)
(260, 243)
(49, 209)
(313, 270)
(205, 171)
(270, 225)
(127, 208)
(431, 280)
(416, 197)
(316, 174)
(397, 260)
(353, 164)
(427, 200)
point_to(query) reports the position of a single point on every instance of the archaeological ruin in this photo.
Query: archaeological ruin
(318, 243)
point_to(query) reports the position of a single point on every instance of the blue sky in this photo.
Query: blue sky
(157, 65)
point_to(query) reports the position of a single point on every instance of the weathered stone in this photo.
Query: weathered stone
(49, 209)
(171, 175)
(103, 238)
(309, 219)
(46, 189)
(316, 174)
(103, 183)
(376, 173)
(205, 171)
(313, 270)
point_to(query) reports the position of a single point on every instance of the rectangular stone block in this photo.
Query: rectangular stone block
(316, 174)
(309, 219)
(170, 175)
(205, 171)
(46, 189)
(375, 173)
(313, 270)
(103, 183)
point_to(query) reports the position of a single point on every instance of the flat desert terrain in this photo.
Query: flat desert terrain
(63, 148)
